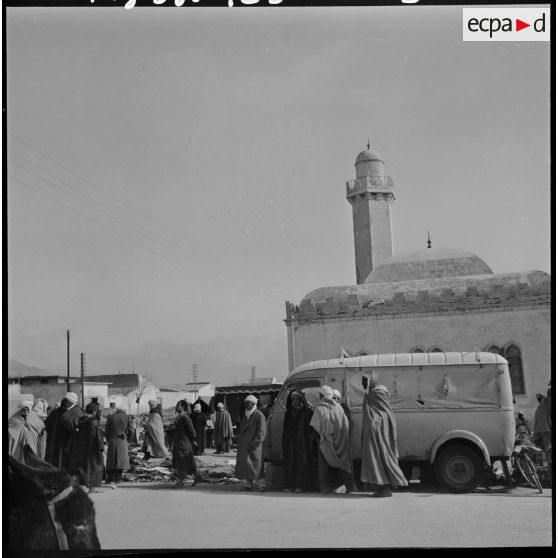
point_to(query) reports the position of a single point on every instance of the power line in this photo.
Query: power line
(132, 228)
(124, 204)
(179, 264)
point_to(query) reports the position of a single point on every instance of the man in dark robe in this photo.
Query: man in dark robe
(251, 435)
(60, 426)
(53, 454)
(299, 449)
(223, 430)
(116, 433)
(86, 449)
(198, 420)
(380, 465)
(184, 442)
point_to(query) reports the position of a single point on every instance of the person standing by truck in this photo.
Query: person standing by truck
(380, 465)
(297, 443)
(332, 426)
(251, 435)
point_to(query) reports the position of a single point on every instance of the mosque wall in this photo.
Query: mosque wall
(527, 328)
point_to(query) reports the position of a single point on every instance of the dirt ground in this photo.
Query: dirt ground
(221, 516)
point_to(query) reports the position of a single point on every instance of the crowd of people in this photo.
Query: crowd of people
(316, 441)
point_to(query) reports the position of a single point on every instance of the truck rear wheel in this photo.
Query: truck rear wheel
(459, 468)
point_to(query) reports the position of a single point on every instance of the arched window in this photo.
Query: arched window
(416, 350)
(362, 353)
(512, 354)
(435, 350)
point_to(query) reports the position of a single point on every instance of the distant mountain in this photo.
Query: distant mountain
(16, 368)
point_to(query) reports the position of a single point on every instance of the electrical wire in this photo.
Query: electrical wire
(131, 208)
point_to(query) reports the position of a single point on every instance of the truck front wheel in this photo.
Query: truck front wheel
(459, 468)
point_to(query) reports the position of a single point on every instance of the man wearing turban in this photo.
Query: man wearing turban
(251, 435)
(60, 425)
(331, 425)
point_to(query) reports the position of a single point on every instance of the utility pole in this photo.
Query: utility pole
(195, 378)
(68, 360)
(82, 380)
(253, 375)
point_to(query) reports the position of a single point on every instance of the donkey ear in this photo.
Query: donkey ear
(48, 480)
(31, 459)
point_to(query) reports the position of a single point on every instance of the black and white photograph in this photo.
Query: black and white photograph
(277, 275)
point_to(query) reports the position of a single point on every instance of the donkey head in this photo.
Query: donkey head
(33, 485)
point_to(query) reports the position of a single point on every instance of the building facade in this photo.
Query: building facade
(434, 299)
(53, 388)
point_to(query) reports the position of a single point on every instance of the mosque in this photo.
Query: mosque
(428, 300)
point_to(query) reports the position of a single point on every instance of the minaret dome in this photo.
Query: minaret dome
(369, 163)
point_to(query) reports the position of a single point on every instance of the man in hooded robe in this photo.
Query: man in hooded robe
(332, 426)
(351, 483)
(116, 433)
(251, 435)
(198, 420)
(86, 449)
(154, 441)
(36, 423)
(184, 442)
(299, 448)
(380, 465)
(223, 429)
(19, 433)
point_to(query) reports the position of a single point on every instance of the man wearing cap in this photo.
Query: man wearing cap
(223, 430)
(331, 425)
(251, 435)
(154, 433)
(380, 465)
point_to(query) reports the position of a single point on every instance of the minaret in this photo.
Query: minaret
(371, 195)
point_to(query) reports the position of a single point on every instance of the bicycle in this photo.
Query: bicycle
(523, 466)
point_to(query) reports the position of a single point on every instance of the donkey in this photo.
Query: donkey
(48, 510)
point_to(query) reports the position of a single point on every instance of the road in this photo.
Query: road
(210, 516)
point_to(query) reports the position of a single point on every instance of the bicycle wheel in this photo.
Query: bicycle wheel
(528, 470)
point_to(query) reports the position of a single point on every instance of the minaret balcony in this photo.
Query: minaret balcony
(369, 184)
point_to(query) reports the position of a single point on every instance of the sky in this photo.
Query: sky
(175, 175)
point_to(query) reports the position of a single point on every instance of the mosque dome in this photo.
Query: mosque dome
(428, 263)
